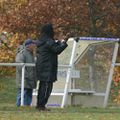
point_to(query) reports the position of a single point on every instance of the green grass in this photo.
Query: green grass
(9, 111)
(69, 113)
(7, 90)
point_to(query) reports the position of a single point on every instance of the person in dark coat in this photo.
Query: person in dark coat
(47, 63)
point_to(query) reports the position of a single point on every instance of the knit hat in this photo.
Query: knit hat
(29, 41)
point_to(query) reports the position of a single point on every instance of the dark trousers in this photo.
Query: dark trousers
(44, 91)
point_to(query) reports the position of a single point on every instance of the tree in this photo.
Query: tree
(23, 18)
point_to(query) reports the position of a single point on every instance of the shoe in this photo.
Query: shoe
(42, 108)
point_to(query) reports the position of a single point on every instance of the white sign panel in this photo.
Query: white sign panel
(74, 73)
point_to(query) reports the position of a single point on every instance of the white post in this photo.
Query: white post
(22, 85)
(110, 75)
(68, 75)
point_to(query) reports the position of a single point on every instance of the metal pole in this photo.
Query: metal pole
(22, 85)
(68, 75)
(110, 75)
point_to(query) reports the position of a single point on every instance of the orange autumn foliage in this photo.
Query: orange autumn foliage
(23, 18)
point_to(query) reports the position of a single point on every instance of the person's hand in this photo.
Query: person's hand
(68, 35)
(65, 37)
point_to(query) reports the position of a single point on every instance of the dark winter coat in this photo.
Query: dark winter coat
(26, 56)
(47, 58)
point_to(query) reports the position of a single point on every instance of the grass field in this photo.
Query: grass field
(9, 111)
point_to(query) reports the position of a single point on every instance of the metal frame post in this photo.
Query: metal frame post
(110, 75)
(22, 85)
(68, 75)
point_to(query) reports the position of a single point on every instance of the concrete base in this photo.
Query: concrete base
(87, 100)
(77, 99)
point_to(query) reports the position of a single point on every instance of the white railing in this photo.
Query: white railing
(23, 70)
(22, 80)
(75, 73)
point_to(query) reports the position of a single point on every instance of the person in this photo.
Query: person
(47, 62)
(26, 56)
